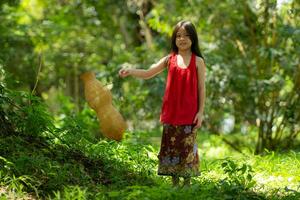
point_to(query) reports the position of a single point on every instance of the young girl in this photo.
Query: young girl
(183, 103)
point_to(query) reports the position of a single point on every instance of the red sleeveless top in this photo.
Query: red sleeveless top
(180, 102)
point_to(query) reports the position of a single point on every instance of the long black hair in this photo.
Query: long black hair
(191, 30)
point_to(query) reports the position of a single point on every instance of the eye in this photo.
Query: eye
(183, 36)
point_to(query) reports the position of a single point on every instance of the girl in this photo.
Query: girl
(183, 103)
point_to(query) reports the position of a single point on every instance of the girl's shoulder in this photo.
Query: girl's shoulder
(168, 58)
(200, 61)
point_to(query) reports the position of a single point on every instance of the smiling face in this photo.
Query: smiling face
(183, 40)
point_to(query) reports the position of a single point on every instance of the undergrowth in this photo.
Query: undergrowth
(45, 158)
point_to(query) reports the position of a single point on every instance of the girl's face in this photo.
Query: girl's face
(183, 41)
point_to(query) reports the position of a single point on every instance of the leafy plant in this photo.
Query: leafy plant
(239, 176)
(71, 193)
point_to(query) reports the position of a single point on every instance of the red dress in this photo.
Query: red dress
(180, 102)
(178, 154)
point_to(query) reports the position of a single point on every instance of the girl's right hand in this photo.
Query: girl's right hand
(124, 72)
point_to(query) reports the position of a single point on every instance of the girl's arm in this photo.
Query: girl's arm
(146, 73)
(201, 68)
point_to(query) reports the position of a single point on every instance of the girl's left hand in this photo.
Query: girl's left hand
(198, 121)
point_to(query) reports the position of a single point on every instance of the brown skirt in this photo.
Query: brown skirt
(178, 154)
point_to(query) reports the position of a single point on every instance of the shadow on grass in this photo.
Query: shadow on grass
(54, 166)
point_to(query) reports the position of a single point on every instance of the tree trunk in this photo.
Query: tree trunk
(144, 8)
(76, 88)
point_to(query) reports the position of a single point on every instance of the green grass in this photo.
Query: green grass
(127, 170)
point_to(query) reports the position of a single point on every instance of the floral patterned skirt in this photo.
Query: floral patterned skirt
(178, 154)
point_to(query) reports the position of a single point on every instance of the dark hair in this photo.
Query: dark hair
(191, 30)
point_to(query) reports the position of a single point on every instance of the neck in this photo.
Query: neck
(185, 52)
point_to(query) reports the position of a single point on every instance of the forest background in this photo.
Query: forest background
(252, 111)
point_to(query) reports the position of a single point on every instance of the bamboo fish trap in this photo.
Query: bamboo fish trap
(99, 98)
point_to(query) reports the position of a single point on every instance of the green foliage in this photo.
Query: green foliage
(240, 177)
(15, 185)
(251, 52)
(37, 119)
(250, 48)
(71, 193)
(56, 156)
(26, 112)
(60, 169)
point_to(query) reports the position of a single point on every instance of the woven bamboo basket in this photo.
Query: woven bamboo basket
(99, 98)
